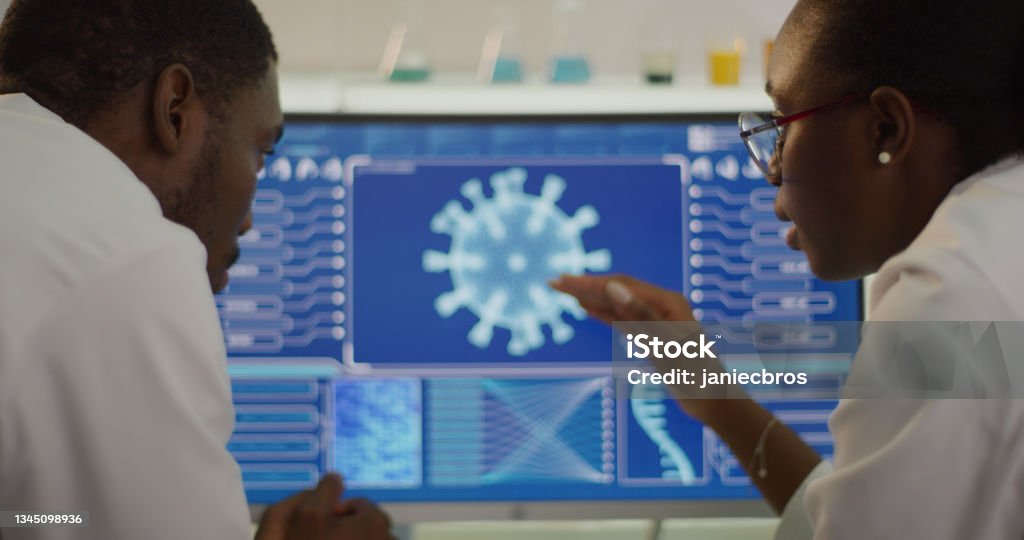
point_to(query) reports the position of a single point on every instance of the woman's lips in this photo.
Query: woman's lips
(793, 239)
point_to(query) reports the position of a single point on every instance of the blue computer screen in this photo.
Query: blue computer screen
(390, 316)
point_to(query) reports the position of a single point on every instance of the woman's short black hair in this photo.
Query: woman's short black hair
(78, 57)
(961, 58)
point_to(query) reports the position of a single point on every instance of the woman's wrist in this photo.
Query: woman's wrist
(775, 457)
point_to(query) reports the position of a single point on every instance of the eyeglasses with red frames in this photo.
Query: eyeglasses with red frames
(762, 136)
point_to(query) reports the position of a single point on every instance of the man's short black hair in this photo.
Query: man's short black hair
(79, 57)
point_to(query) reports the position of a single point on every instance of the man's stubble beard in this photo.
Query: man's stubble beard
(195, 205)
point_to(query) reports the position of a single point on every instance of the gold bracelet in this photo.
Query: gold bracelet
(758, 458)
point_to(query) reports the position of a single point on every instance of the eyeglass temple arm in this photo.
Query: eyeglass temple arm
(779, 122)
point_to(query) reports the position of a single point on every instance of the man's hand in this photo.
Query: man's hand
(320, 514)
(624, 298)
(360, 519)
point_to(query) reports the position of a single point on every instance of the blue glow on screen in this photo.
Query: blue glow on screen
(387, 319)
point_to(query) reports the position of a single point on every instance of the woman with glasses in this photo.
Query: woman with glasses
(895, 149)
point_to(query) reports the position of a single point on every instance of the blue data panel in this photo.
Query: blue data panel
(378, 438)
(546, 438)
(286, 296)
(474, 244)
(281, 434)
(390, 317)
(663, 450)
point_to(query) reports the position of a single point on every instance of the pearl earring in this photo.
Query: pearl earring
(884, 158)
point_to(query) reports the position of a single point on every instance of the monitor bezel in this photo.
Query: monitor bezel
(347, 118)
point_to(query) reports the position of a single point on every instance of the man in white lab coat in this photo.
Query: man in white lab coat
(131, 134)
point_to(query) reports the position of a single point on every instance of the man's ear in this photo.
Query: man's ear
(174, 107)
(895, 123)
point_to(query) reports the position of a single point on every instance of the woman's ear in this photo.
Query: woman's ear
(894, 125)
(174, 106)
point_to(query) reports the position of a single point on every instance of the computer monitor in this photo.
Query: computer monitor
(389, 317)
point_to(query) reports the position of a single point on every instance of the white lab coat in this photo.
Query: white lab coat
(114, 395)
(936, 469)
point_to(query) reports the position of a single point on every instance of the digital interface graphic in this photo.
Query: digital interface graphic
(280, 433)
(649, 409)
(503, 254)
(513, 432)
(467, 299)
(378, 432)
(390, 318)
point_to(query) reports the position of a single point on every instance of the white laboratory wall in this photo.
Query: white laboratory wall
(349, 35)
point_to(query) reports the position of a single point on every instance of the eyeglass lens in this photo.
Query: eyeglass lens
(761, 145)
